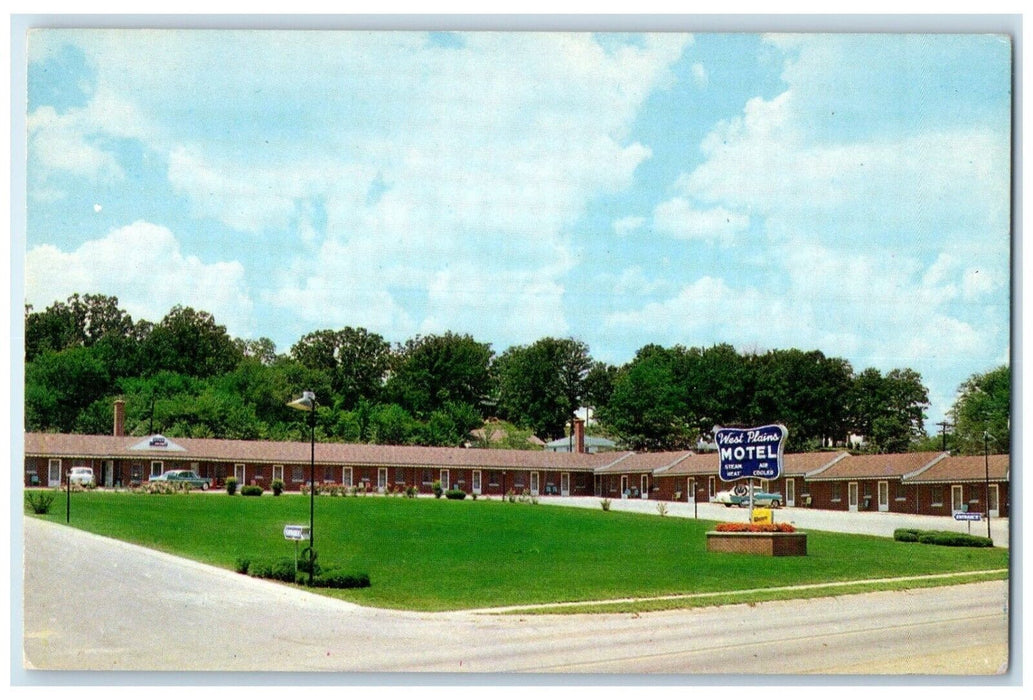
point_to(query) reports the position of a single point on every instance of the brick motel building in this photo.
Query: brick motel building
(923, 483)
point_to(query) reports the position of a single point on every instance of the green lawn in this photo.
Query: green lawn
(428, 554)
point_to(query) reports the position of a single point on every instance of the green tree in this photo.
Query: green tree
(356, 361)
(80, 321)
(805, 391)
(889, 411)
(542, 385)
(983, 404)
(432, 371)
(58, 385)
(191, 342)
(647, 407)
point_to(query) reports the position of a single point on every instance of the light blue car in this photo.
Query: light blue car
(740, 496)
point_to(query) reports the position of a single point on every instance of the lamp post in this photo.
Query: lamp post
(307, 402)
(986, 466)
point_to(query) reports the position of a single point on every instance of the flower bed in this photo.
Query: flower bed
(754, 527)
(768, 539)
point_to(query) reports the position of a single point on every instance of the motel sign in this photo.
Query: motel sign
(746, 453)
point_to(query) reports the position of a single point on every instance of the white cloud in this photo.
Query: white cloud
(679, 218)
(65, 143)
(143, 266)
(699, 75)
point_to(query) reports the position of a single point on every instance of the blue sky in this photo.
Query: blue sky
(847, 193)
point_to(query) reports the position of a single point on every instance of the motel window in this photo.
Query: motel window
(493, 478)
(297, 473)
(399, 475)
(901, 491)
(936, 493)
(428, 476)
(136, 472)
(346, 477)
(837, 491)
(156, 468)
(867, 489)
(328, 475)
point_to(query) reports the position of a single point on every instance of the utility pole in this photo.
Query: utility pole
(943, 431)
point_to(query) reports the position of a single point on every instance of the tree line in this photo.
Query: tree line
(186, 376)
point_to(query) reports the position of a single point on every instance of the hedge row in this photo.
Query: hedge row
(941, 537)
(284, 570)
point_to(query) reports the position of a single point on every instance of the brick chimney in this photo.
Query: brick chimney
(579, 436)
(120, 418)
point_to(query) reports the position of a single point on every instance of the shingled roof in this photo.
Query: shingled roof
(876, 466)
(964, 469)
(267, 452)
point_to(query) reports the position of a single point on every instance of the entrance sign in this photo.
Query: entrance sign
(747, 453)
(973, 517)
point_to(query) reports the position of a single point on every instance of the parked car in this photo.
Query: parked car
(184, 476)
(81, 475)
(740, 496)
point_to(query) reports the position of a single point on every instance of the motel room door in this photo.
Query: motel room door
(565, 484)
(790, 492)
(851, 491)
(476, 486)
(884, 496)
(995, 506)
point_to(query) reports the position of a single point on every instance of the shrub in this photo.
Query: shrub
(411, 492)
(242, 565)
(511, 496)
(231, 485)
(277, 486)
(661, 509)
(275, 569)
(906, 534)
(605, 503)
(338, 578)
(39, 501)
(954, 539)
(941, 537)
(251, 490)
(455, 494)
(437, 489)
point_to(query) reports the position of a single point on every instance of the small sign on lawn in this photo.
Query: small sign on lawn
(971, 517)
(296, 532)
(762, 516)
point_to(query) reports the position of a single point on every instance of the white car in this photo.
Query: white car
(81, 475)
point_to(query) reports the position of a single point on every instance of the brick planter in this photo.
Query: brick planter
(771, 544)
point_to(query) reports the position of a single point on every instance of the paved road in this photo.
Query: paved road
(139, 609)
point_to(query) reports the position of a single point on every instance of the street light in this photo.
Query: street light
(986, 466)
(307, 402)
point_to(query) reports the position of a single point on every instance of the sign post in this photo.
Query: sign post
(969, 518)
(298, 533)
(748, 453)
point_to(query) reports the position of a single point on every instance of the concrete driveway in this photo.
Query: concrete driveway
(96, 604)
(863, 523)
